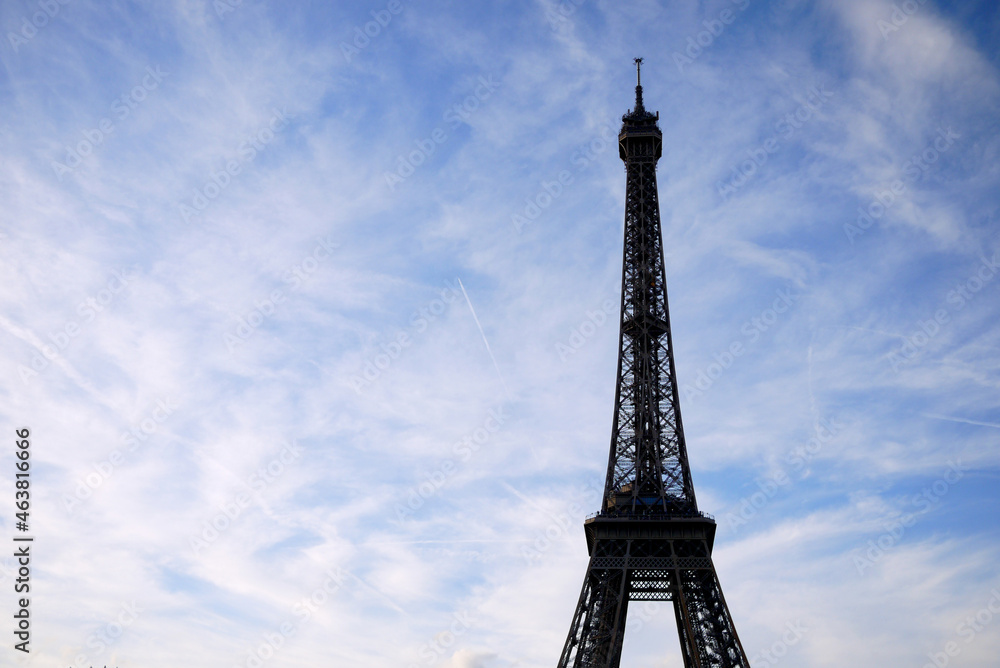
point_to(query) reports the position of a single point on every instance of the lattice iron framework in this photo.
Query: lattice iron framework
(649, 542)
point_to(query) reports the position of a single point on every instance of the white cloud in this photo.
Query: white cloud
(319, 182)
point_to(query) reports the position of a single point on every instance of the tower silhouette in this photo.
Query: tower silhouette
(649, 541)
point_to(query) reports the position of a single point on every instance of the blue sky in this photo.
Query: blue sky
(311, 309)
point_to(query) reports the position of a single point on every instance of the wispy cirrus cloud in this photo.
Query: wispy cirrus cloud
(319, 546)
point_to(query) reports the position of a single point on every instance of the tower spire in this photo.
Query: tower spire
(649, 541)
(638, 85)
(639, 115)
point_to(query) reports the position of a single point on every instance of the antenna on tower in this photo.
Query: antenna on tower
(639, 114)
(639, 109)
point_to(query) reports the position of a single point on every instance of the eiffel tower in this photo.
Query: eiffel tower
(649, 542)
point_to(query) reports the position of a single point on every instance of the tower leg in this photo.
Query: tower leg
(681, 571)
(707, 633)
(598, 627)
(688, 652)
